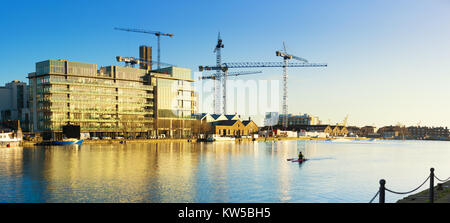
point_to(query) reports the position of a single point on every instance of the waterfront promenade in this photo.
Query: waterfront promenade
(441, 193)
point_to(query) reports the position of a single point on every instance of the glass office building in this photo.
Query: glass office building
(175, 101)
(111, 101)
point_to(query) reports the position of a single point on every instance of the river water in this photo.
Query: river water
(337, 172)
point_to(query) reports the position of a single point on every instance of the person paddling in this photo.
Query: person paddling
(301, 156)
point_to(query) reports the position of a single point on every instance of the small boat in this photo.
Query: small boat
(223, 138)
(9, 140)
(297, 160)
(339, 140)
(70, 141)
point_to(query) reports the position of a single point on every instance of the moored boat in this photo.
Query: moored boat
(66, 142)
(339, 140)
(7, 139)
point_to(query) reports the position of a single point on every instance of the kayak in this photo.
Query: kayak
(297, 160)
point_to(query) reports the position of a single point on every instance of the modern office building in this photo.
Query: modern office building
(14, 103)
(175, 101)
(110, 101)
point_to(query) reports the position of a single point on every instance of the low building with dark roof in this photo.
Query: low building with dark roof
(234, 127)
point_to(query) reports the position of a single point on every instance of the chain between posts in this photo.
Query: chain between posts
(408, 191)
(374, 196)
(431, 177)
(441, 180)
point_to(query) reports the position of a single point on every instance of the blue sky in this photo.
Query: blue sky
(388, 61)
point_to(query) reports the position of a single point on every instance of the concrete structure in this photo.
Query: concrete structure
(14, 103)
(145, 53)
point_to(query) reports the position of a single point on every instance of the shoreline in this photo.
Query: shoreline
(128, 141)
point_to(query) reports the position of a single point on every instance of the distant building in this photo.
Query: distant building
(354, 131)
(271, 118)
(207, 117)
(304, 119)
(330, 130)
(234, 127)
(423, 132)
(366, 131)
(14, 103)
(389, 132)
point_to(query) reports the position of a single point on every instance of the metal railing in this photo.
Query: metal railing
(382, 191)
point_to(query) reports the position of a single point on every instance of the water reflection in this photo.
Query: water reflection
(215, 172)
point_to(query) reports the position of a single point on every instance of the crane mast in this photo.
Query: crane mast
(286, 57)
(220, 78)
(285, 94)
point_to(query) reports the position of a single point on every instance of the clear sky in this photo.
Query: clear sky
(388, 61)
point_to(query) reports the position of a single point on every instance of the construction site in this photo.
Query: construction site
(153, 100)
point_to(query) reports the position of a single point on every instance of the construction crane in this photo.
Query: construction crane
(230, 74)
(225, 66)
(286, 57)
(157, 34)
(344, 123)
(131, 61)
(219, 75)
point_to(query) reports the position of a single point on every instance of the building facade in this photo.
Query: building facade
(110, 101)
(14, 103)
(175, 101)
(234, 127)
(423, 132)
(304, 119)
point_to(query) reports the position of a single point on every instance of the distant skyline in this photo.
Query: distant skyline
(388, 61)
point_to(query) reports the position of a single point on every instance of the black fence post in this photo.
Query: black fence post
(431, 185)
(382, 190)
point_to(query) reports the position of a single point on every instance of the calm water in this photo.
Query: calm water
(219, 172)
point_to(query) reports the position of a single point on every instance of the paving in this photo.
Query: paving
(441, 195)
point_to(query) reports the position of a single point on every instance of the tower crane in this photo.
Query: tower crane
(156, 33)
(219, 76)
(230, 74)
(286, 57)
(133, 61)
(225, 66)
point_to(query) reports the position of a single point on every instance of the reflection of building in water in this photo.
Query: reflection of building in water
(11, 161)
(285, 174)
(177, 167)
(133, 172)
